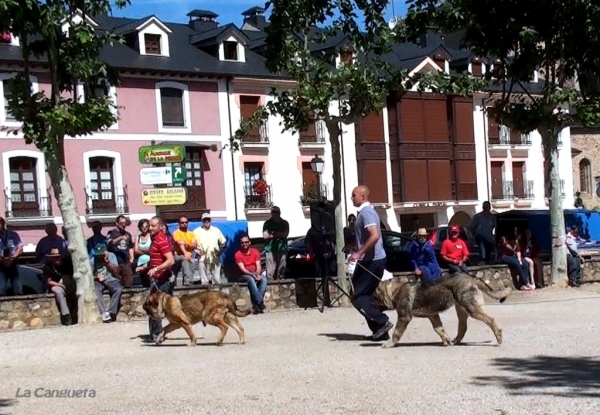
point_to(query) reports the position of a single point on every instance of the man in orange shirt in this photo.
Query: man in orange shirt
(185, 243)
(455, 252)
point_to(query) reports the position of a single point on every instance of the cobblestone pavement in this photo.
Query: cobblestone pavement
(304, 362)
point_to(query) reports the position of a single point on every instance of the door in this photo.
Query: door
(518, 182)
(497, 168)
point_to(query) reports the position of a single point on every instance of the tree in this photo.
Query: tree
(559, 39)
(72, 57)
(296, 46)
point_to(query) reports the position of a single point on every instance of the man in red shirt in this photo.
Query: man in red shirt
(455, 252)
(248, 261)
(161, 261)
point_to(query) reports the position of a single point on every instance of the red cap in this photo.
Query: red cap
(454, 229)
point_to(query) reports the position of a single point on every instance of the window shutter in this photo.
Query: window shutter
(171, 101)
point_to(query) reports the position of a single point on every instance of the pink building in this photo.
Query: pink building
(174, 90)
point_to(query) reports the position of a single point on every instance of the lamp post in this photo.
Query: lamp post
(316, 165)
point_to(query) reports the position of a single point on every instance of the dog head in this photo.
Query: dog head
(153, 305)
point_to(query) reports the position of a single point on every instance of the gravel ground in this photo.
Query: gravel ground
(304, 362)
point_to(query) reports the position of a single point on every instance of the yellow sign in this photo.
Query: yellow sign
(164, 196)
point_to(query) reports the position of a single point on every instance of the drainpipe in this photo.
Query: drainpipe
(485, 142)
(230, 150)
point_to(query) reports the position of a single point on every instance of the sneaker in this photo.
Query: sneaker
(106, 317)
(525, 288)
(382, 331)
(385, 337)
(262, 306)
(531, 287)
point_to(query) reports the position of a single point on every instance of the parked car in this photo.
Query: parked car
(300, 264)
(32, 280)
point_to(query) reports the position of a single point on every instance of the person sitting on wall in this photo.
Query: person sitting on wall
(422, 258)
(248, 261)
(530, 253)
(48, 242)
(510, 255)
(96, 238)
(56, 271)
(455, 252)
(107, 273)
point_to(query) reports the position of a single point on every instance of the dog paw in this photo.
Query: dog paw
(192, 344)
(456, 342)
(446, 343)
(388, 345)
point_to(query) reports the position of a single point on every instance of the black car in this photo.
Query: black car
(300, 264)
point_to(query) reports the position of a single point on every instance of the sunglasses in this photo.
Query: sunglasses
(183, 223)
(245, 242)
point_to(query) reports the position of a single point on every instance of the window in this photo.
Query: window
(152, 44)
(6, 92)
(102, 184)
(171, 101)
(585, 176)
(252, 173)
(230, 50)
(476, 68)
(441, 62)
(346, 57)
(310, 191)
(173, 107)
(23, 185)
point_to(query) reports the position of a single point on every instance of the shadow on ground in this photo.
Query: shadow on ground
(569, 377)
(6, 403)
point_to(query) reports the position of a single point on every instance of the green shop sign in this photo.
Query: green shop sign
(168, 153)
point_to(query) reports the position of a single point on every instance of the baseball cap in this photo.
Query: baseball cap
(205, 216)
(99, 249)
(143, 260)
(454, 229)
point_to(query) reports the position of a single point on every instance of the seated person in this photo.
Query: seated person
(56, 269)
(530, 253)
(142, 268)
(248, 261)
(422, 258)
(511, 256)
(96, 238)
(107, 273)
(455, 252)
(574, 259)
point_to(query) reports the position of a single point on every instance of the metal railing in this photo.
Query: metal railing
(526, 192)
(117, 205)
(257, 201)
(258, 135)
(314, 133)
(40, 208)
(310, 193)
(506, 193)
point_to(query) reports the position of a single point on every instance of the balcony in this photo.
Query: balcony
(525, 191)
(310, 193)
(258, 201)
(28, 212)
(113, 203)
(313, 136)
(257, 137)
(505, 193)
(562, 189)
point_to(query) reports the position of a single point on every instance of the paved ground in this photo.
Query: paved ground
(304, 362)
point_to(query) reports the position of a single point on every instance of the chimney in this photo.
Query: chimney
(202, 20)
(255, 17)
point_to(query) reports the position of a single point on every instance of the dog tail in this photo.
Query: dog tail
(238, 312)
(497, 295)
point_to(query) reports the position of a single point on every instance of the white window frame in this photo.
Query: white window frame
(117, 172)
(187, 118)
(40, 171)
(153, 26)
(3, 77)
(112, 94)
(241, 52)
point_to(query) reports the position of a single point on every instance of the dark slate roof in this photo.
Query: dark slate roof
(184, 56)
(215, 35)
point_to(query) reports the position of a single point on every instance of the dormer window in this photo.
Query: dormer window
(230, 50)
(477, 67)
(152, 42)
(346, 57)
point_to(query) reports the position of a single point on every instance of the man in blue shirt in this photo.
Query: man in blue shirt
(370, 266)
(422, 258)
(11, 248)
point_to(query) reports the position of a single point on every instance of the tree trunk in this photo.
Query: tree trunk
(336, 156)
(63, 191)
(557, 219)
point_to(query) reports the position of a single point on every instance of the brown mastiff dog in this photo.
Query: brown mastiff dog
(415, 300)
(209, 307)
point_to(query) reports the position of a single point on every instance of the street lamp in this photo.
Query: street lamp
(316, 165)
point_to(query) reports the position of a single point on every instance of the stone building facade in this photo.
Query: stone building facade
(585, 155)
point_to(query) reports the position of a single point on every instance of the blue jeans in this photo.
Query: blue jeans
(257, 292)
(155, 326)
(427, 276)
(486, 248)
(522, 270)
(10, 273)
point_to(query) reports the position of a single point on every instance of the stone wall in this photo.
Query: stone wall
(587, 145)
(37, 311)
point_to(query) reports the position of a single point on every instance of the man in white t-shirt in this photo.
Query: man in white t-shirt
(211, 243)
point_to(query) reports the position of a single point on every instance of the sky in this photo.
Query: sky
(229, 11)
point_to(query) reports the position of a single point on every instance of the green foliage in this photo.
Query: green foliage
(559, 38)
(73, 57)
(301, 44)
